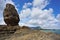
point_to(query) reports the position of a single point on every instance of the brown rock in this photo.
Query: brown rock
(33, 35)
(25, 27)
(11, 16)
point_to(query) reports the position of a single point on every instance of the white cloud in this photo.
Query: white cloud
(25, 13)
(2, 21)
(38, 17)
(58, 17)
(2, 3)
(40, 3)
(27, 5)
(10, 1)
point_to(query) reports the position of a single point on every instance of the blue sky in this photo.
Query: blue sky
(43, 13)
(21, 3)
(55, 4)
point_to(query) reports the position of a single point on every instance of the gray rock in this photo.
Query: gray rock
(10, 15)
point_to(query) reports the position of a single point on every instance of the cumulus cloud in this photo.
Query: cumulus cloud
(25, 13)
(2, 21)
(38, 17)
(10, 1)
(40, 3)
(27, 5)
(58, 17)
(2, 3)
(2, 6)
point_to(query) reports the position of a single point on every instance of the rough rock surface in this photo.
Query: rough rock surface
(27, 34)
(11, 16)
(7, 32)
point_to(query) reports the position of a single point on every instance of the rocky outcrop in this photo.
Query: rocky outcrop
(7, 31)
(11, 16)
(33, 35)
(25, 33)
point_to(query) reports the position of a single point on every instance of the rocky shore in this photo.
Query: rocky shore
(24, 33)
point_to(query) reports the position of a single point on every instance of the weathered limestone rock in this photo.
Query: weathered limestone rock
(11, 16)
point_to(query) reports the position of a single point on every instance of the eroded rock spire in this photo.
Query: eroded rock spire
(10, 15)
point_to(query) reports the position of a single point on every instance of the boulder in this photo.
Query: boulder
(10, 15)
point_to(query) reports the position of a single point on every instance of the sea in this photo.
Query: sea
(56, 31)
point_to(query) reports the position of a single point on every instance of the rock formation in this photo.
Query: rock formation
(33, 35)
(10, 15)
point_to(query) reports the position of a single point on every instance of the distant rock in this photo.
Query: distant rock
(36, 28)
(25, 27)
(11, 16)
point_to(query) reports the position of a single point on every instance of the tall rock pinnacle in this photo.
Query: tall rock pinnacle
(10, 15)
